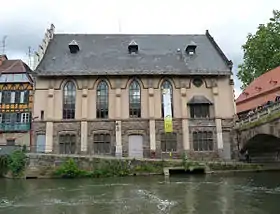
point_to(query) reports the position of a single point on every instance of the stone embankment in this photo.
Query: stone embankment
(51, 166)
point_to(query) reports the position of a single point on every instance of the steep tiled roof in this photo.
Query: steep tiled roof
(14, 66)
(108, 54)
(261, 90)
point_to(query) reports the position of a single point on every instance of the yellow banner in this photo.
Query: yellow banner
(168, 126)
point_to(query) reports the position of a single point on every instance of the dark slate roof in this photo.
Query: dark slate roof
(199, 99)
(108, 55)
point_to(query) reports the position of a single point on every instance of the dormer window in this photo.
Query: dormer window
(258, 89)
(246, 93)
(133, 47)
(274, 82)
(190, 49)
(74, 47)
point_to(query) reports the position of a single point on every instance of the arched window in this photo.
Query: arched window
(166, 85)
(134, 99)
(69, 100)
(102, 97)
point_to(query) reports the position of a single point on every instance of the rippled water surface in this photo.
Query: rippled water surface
(211, 194)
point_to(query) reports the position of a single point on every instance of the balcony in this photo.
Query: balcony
(14, 127)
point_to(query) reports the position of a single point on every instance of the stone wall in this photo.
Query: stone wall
(177, 128)
(62, 128)
(136, 126)
(97, 127)
(45, 165)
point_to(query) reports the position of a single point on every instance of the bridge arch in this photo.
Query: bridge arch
(263, 146)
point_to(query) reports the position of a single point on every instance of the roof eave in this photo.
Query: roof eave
(116, 73)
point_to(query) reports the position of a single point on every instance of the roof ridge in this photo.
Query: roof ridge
(131, 34)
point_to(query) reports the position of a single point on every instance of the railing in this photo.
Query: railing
(14, 127)
(263, 113)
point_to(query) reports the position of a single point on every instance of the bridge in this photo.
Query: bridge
(259, 134)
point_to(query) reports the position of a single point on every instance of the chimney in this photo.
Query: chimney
(3, 58)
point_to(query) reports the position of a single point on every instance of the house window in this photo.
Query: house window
(42, 115)
(134, 99)
(102, 100)
(166, 85)
(69, 100)
(200, 110)
(13, 96)
(10, 142)
(203, 141)
(197, 82)
(168, 142)
(102, 143)
(6, 96)
(17, 96)
(25, 117)
(24, 96)
(67, 144)
(11, 118)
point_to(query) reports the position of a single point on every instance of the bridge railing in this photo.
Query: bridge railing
(263, 113)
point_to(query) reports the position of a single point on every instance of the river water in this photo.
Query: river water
(199, 194)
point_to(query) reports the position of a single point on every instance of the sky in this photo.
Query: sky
(229, 22)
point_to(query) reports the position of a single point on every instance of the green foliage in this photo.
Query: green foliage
(3, 165)
(144, 167)
(184, 161)
(261, 51)
(69, 169)
(16, 163)
(220, 166)
(113, 168)
(107, 168)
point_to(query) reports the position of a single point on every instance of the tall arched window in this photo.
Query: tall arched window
(166, 85)
(69, 100)
(102, 97)
(134, 99)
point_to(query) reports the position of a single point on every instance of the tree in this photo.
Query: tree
(261, 51)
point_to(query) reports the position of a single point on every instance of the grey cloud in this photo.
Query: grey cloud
(21, 34)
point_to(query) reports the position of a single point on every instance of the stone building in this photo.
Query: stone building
(102, 94)
(16, 102)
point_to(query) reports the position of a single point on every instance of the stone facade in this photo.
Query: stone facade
(136, 127)
(114, 97)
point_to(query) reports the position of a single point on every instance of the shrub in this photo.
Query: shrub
(69, 169)
(16, 163)
(3, 165)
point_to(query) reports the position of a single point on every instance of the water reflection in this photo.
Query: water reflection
(246, 193)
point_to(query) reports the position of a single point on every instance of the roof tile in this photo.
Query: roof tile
(261, 90)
